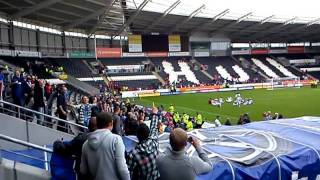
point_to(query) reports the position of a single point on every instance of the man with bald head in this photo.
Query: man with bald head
(176, 164)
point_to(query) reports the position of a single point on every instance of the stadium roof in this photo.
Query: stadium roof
(86, 16)
(241, 21)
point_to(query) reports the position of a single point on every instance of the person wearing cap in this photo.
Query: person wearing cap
(175, 164)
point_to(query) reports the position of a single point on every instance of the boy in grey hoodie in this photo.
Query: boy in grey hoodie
(103, 154)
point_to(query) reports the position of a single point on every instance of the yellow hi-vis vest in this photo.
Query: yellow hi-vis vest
(185, 118)
(189, 126)
(171, 109)
(199, 119)
(176, 117)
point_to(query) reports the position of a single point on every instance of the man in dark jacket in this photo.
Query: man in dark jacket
(16, 88)
(62, 109)
(117, 123)
(39, 100)
(74, 147)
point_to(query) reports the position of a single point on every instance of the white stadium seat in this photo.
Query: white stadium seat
(243, 76)
(185, 70)
(223, 73)
(281, 68)
(265, 68)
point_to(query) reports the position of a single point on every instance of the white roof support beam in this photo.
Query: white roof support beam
(135, 4)
(165, 13)
(244, 17)
(192, 14)
(313, 22)
(302, 31)
(267, 19)
(231, 24)
(102, 17)
(36, 7)
(290, 21)
(212, 20)
(302, 27)
(130, 20)
(272, 29)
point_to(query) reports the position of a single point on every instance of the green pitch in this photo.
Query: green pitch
(291, 102)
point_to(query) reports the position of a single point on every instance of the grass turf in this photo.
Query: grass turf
(290, 102)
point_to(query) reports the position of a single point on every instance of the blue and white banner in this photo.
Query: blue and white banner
(285, 149)
(281, 149)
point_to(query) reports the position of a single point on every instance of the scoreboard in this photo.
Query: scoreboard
(158, 43)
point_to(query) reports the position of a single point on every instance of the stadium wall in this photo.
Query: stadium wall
(206, 89)
(29, 132)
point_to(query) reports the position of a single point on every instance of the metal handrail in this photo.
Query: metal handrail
(24, 143)
(26, 156)
(45, 115)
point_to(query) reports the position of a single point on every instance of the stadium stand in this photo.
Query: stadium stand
(223, 73)
(281, 68)
(229, 64)
(266, 69)
(243, 76)
(74, 67)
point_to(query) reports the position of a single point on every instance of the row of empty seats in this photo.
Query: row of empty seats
(132, 78)
(74, 67)
(223, 73)
(190, 76)
(243, 76)
(264, 68)
(280, 67)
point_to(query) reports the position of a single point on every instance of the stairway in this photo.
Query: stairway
(89, 67)
(105, 79)
(203, 71)
(81, 85)
(159, 77)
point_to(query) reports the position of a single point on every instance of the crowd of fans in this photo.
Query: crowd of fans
(103, 154)
(100, 152)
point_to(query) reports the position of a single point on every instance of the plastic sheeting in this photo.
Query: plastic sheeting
(280, 149)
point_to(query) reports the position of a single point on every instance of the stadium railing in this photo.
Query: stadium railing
(24, 165)
(30, 115)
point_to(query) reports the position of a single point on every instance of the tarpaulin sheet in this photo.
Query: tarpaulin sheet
(279, 149)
